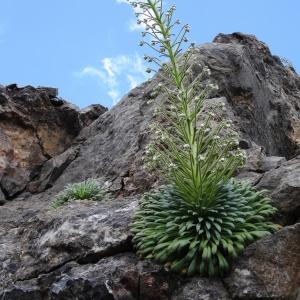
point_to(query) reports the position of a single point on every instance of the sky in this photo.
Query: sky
(89, 50)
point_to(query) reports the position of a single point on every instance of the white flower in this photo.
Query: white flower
(207, 130)
(207, 71)
(187, 28)
(222, 159)
(201, 157)
(172, 165)
(213, 86)
(186, 146)
(216, 137)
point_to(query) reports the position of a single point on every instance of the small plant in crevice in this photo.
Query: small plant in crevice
(89, 189)
(202, 219)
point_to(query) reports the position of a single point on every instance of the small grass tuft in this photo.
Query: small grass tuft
(89, 189)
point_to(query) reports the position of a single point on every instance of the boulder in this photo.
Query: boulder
(91, 113)
(283, 186)
(269, 268)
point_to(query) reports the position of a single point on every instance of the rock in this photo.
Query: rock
(84, 250)
(32, 130)
(283, 185)
(83, 231)
(114, 278)
(52, 169)
(264, 94)
(244, 144)
(202, 289)
(2, 198)
(269, 268)
(51, 92)
(91, 113)
(271, 162)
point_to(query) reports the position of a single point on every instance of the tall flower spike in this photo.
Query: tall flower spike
(203, 219)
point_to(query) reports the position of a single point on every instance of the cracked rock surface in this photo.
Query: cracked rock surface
(35, 125)
(83, 250)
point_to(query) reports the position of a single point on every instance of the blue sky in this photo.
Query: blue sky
(89, 49)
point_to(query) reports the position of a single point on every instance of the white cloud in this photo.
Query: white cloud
(119, 74)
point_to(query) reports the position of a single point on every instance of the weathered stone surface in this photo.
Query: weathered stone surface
(264, 94)
(91, 113)
(122, 277)
(269, 269)
(202, 289)
(52, 169)
(43, 239)
(83, 250)
(271, 162)
(33, 128)
(262, 97)
(2, 198)
(283, 185)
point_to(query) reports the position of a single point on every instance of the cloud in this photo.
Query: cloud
(118, 74)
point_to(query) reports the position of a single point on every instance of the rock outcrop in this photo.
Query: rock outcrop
(35, 125)
(84, 250)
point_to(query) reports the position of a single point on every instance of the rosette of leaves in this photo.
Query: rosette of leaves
(89, 189)
(203, 219)
(190, 238)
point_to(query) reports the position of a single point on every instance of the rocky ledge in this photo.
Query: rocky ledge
(84, 250)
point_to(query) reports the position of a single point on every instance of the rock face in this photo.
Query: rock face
(283, 184)
(35, 126)
(84, 250)
(269, 269)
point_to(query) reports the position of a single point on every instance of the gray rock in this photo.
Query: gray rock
(202, 289)
(91, 113)
(283, 185)
(269, 268)
(83, 251)
(83, 231)
(51, 92)
(2, 197)
(52, 169)
(271, 162)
